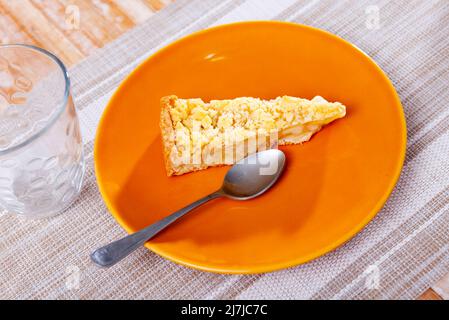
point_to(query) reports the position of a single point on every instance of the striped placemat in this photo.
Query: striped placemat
(398, 255)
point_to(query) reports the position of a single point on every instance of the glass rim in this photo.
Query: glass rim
(55, 117)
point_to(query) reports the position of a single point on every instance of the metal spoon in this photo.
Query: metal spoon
(247, 179)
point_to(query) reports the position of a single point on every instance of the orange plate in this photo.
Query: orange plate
(332, 187)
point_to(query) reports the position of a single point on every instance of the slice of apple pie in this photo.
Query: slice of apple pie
(196, 134)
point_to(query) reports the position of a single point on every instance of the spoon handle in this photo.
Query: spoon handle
(114, 252)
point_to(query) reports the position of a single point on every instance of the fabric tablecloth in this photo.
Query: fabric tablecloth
(398, 255)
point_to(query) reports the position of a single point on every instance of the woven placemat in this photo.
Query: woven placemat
(398, 255)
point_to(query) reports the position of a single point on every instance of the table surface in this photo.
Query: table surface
(73, 29)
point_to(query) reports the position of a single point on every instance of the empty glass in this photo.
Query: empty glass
(41, 151)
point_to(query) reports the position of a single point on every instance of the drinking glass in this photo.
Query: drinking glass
(41, 151)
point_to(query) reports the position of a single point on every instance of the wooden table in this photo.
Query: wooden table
(73, 29)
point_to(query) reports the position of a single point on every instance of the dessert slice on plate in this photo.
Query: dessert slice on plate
(196, 134)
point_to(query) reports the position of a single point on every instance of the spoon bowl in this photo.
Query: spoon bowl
(253, 175)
